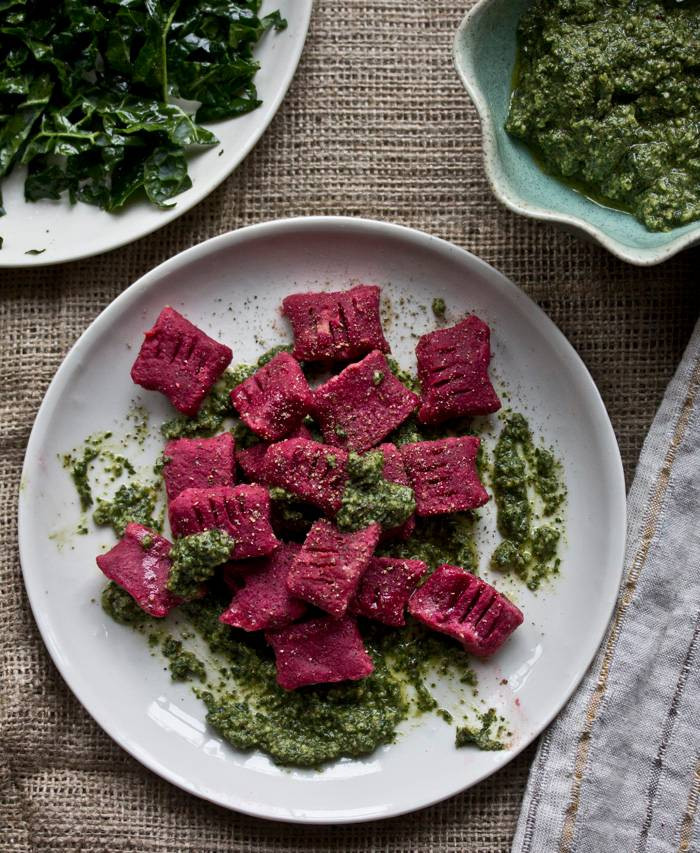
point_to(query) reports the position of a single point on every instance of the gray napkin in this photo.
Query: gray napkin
(619, 769)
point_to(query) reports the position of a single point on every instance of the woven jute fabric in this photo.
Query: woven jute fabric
(375, 124)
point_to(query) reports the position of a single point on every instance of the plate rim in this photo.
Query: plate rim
(180, 208)
(173, 264)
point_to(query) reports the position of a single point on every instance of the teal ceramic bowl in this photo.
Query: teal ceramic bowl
(484, 54)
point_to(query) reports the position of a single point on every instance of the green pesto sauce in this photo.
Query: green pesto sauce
(518, 467)
(369, 498)
(301, 728)
(214, 410)
(289, 513)
(404, 376)
(195, 558)
(272, 352)
(308, 727)
(118, 604)
(444, 539)
(131, 502)
(244, 436)
(439, 308)
(79, 466)
(115, 464)
(416, 654)
(160, 464)
(605, 94)
(481, 737)
(510, 480)
(411, 430)
(314, 725)
(183, 665)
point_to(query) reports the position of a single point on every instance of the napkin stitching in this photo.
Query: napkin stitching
(667, 730)
(595, 702)
(537, 794)
(691, 808)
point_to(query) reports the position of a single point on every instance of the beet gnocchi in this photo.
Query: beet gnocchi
(180, 360)
(316, 521)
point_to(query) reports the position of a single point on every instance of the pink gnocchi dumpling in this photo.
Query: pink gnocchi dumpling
(140, 564)
(457, 603)
(180, 360)
(443, 475)
(273, 401)
(241, 511)
(329, 566)
(319, 651)
(261, 600)
(386, 587)
(453, 369)
(360, 406)
(198, 463)
(336, 326)
(314, 472)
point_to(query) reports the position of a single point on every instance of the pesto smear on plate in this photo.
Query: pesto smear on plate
(606, 96)
(235, 674)
(233, 671)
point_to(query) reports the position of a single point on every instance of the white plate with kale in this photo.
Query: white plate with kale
(371, 592)
(110, 131)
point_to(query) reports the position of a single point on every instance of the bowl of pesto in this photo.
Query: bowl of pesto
(590, 116)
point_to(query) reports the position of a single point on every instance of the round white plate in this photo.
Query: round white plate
(232, 286)
(68, 232)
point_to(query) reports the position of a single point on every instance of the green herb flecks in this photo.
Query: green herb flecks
(79, 466)
(439, 308)
(369, 497)
(183, 665)
(131, 502)
(483, 736)
(195, 558)
(404, 376)
(118, 604)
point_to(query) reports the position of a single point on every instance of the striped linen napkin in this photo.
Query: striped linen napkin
(619, 769)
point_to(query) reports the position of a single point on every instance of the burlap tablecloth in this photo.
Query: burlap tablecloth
(376, 124)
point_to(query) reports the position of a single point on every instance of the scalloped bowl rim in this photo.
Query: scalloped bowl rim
(492, 161)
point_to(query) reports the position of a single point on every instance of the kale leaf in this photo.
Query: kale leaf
(102, 99)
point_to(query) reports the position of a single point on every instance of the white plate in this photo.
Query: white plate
(232, 286)
(68, 232)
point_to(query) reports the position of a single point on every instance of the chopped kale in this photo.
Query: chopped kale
(88, 90)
